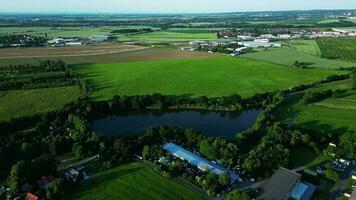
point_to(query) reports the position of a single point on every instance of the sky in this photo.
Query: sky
(166, 6)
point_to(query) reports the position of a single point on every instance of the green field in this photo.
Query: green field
(171, 36)
(214, 76)
(287, 56)
(132, 181)
(305, 46)
(338, 48)
(64, 31)
(333, 115)
(18, 103)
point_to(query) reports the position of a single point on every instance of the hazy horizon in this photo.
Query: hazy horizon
(167, 7)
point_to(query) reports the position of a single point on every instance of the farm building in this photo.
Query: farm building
(199, 43)
(224, 42)
(196, 160)
(259, 44)
(286, 184)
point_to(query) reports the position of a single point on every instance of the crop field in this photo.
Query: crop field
(334, 115)
(18, 103)
(305, 46)
(338, 48)
(287, 57)
(135, 54)
(214, 76)
(63, 31)
(92, 50)
(170, 36)
(132, 181)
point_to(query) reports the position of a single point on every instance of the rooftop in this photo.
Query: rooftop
(279, 185)
(196, 160)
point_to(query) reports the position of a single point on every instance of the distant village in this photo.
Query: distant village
(237, 43)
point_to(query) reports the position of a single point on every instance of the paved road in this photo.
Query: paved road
(338, 187)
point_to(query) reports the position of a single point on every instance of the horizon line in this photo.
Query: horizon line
(164, 13)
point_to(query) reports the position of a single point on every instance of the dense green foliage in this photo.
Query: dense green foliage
(47, 74)
(338, 48)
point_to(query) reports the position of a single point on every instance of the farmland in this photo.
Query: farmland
(340, 48)
(215, 76)
(287, 56)
(64, 31)
(333, 115)
(171, 36)
(19, 103)
(104, 55)
(132, 181)
(305, 46)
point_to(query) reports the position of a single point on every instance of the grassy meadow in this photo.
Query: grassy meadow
(132, 181)
(287, 56)
(19, 103)
(332, 115)
(338, 48)
(213, 76)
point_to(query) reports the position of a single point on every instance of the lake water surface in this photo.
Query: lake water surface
(225, 124)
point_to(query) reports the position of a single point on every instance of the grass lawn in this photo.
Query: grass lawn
(287, 56)
(213, 76)
(338, 48)
(132, 181)
(171, 36)
(334, 115)
(18, 103)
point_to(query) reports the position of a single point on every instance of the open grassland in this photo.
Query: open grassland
(304, 156)
(288, 56)
(19, 103)
(132, 181)
(214, 76)
(171, 36)
(334, 115)
(305, 46)
(63, 31)
(338, 48)
(125, 56)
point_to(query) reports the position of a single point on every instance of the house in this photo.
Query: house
(238, 51)
(201, 163)
(245, 37)
(30, 196)
(76, 174)
(74, 43)
(284, 36)
(286, 184)
(45, 182)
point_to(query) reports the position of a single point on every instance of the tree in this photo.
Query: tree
(237, 195)
(56, 189)
(224, 179)
(353, 78)
(146, 152)
(331, 175)
(347, 146)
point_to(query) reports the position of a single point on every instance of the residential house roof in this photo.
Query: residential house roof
(31, 196)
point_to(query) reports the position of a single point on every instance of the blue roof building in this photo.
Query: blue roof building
(198, 161)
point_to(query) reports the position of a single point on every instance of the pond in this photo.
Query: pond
(224, 124)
